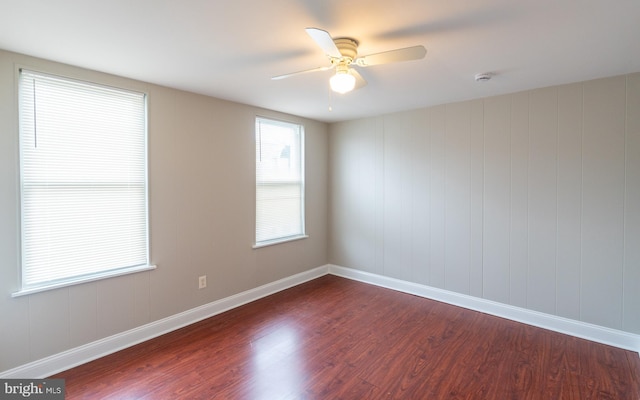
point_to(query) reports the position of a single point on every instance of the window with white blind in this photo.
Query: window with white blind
(83, 174)
(279, 182)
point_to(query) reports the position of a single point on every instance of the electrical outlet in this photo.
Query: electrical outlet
(202, 282)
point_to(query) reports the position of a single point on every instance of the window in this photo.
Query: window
(279, 182)
(83, 181)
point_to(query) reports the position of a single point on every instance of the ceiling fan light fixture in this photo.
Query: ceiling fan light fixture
(342, 82)
(343, 53)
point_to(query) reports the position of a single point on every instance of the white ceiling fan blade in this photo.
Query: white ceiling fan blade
(360, 81)
(391, 56)
(324, 40)
(275, 78)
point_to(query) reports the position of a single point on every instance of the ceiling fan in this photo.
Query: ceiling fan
(343, 55)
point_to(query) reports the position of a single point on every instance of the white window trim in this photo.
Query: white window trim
(25, 291)
(267, 243)
(303, 234)
(87, 279)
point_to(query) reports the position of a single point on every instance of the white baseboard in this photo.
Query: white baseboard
(579, 329)
(71, 358)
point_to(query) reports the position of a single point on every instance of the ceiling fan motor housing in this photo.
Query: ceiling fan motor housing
(348, 48)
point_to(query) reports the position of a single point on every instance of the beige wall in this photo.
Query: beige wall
(530, 199)
(201, 186)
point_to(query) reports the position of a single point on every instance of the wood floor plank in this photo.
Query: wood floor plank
(333, 338)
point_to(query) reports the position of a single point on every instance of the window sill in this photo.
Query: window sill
(278, 241)
(77, 281)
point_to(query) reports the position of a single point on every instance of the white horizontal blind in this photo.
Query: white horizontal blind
(279, 180)
(83, 178)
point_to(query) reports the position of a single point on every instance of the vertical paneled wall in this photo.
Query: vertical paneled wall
(530, 199)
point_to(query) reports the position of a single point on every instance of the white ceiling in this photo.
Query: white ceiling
(230, 48)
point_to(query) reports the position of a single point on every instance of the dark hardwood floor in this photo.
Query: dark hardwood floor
(333, 338)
